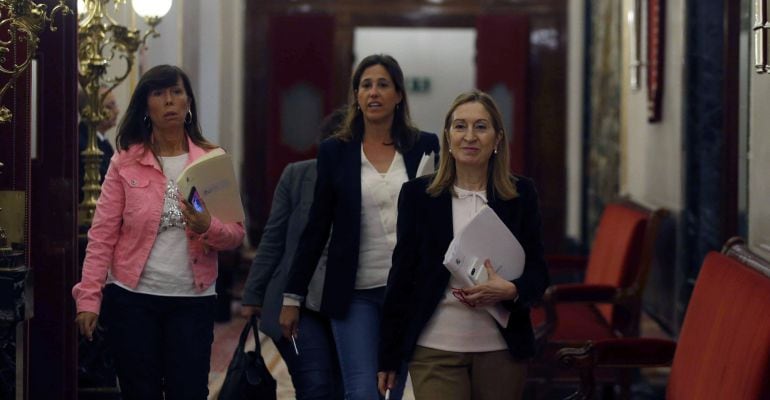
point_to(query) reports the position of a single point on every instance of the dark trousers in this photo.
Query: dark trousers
(315, 372)
(161, 344)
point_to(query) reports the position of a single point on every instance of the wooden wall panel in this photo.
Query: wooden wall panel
(52, 337)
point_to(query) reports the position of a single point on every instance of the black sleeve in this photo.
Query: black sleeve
(316, 233)
(401, 280)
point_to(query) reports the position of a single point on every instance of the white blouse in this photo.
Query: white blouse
(379, 206)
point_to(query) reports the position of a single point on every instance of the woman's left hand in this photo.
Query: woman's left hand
(198, 221)
(493, 291)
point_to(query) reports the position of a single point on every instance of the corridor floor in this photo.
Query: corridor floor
(226, 337)
(649, 385)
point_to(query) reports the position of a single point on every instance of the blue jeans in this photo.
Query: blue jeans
(315, 372)
(162, 344)
(357, 338)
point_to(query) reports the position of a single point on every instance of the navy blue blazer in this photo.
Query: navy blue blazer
(418, 278)
(337, 202)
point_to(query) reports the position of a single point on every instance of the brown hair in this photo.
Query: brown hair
(498, 173)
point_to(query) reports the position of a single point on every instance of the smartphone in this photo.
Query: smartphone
(195, 199)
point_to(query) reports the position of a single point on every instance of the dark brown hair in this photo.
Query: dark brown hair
(133, 129)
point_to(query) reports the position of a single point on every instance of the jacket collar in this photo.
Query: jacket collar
(144, 155)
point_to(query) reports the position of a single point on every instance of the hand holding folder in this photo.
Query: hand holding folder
(485, 237)
(213, 176)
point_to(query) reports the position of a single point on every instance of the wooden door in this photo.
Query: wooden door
(515, 63)
(300, 76)
(502, 45)
(46, 176)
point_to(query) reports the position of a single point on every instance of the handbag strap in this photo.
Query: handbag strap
(251, 324)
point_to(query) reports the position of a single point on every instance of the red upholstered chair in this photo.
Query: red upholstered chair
(607, 304)
(723, 351)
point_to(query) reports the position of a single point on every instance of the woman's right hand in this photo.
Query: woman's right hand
(289, 321)
(386, 380)
(86, 321)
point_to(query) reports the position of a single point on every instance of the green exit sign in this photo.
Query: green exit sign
(419, 84)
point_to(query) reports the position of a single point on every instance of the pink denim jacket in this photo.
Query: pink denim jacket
(126, 224)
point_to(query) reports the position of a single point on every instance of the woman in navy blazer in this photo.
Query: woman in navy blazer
(360, 172)
(455, 349)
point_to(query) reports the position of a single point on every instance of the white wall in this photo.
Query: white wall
(652, 153)
(230, 107)
(444, 55)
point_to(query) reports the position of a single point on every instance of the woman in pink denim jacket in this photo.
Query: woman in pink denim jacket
(151, 260)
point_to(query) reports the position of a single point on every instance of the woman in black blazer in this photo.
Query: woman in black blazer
(360, 172)
(455, 349)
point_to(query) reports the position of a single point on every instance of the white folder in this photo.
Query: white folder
(213, 177)
(485, 237)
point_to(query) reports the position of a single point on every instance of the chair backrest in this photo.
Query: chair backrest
(723, 351)
(621, 253)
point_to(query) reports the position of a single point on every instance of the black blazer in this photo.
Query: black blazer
(337, 202)
(418, 278)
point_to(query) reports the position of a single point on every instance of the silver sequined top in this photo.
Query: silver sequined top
(172, 213)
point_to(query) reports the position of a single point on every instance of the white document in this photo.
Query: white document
(427, 165)
(213, 177)
(485, 237)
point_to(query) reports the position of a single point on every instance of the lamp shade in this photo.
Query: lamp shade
(151, 8)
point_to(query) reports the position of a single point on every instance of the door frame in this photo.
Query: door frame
(547, 82)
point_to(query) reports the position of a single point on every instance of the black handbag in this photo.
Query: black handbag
(247, 375)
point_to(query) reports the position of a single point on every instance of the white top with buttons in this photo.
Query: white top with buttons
(379, 206)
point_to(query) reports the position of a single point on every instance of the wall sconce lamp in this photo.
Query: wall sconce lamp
(101, 41)
(22, 21)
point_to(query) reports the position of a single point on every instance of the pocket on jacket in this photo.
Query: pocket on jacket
(133, 181)
(137, 192)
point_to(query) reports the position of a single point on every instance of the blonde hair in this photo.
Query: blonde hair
(498, 173)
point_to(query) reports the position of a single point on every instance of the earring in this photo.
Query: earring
(187, 120)
(147, 122)
(450, 149)
(495, 150)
